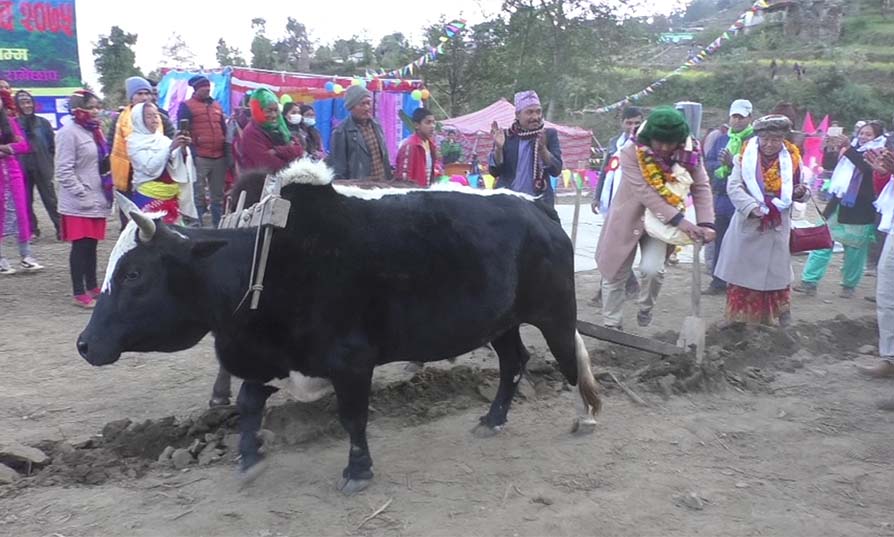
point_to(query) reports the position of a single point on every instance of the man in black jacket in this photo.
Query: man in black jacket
(37, 163)
(357, 148)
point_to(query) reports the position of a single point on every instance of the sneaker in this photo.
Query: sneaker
(84, 301)
(30, 264)
(94, 292)
(847, 292)
(5, 268)
(806, 288)
(644, 318)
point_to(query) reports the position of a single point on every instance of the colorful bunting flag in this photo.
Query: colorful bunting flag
(488, 181)
(698, 59)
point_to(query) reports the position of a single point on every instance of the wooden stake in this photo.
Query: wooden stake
(575, 220)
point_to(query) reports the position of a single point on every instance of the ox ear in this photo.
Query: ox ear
(206, 248)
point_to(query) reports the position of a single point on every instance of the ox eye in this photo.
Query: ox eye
(132, 275)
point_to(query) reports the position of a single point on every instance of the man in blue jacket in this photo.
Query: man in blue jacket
(527, 154)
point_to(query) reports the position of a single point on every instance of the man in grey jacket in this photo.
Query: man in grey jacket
(357, 148)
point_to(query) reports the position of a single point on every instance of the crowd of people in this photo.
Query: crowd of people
(744, 180)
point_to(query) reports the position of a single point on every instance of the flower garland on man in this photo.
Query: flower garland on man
(656, 168)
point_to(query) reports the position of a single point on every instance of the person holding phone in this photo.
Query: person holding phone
(163, 170)
(850, 212)
(204, 119)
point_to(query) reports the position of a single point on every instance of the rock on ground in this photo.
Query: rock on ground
(17, 453)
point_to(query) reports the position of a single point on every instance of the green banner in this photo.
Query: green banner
(39, 44)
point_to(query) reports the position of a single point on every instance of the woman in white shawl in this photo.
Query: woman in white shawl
(754, 258)
(163, 170)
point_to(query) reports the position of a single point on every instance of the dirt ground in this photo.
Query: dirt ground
(776, 435)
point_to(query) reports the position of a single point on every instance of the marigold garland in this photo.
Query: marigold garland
(772, 176)
(658, 177)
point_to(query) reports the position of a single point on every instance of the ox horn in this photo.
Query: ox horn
(146, 225)
(125, 204)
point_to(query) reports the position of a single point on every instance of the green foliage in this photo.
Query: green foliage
(551, 46)
(229, 56)
(293, 53)
(394, 51)
(262, 53)
(826, 91)
(114, 59)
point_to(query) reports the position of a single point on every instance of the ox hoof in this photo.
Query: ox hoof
(219, 401)
(250, 474)
(583, 426)
(349, 486)
(483, 430)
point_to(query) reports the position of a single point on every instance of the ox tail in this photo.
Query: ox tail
(586, 383)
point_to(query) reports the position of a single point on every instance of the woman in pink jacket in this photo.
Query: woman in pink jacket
(12, 180)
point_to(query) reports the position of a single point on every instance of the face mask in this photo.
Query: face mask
(295, 119)
(310, 121)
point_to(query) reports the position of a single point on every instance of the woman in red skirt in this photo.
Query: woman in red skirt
(85, 192)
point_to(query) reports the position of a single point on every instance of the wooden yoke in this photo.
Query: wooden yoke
(269, 213)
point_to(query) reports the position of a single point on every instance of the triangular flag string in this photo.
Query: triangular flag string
(745, 18)
(451, 30)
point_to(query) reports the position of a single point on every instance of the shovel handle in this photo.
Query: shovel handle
(696, 279)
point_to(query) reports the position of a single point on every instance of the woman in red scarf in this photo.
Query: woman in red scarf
(85, 192)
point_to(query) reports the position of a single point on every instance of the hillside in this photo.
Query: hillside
(847, 62)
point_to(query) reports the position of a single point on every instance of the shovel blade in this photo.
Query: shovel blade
(693, 333)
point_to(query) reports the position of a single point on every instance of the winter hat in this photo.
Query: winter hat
(664, 124)
(775, 123)
(526, 99)
(354, 95)
(198, 81)
(135, 84)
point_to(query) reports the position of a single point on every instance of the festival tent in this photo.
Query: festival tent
(475, 137)
(230, 85)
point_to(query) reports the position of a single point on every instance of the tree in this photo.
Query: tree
(262, 55)
(294, 51)
(115, 60)
(176, 53)
(229, 56)
(394, 51)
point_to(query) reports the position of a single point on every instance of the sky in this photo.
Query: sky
(202, 23)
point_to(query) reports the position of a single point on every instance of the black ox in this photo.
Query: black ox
(356, 279)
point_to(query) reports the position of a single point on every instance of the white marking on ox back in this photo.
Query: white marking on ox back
(310, 172)
(127, 241)
(306, 172)
(372, 194)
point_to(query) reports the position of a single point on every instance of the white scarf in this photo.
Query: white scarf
(183, 171)
(885, 205)
(149, 152)
(612, 178)
(749, 174)
(844, 170)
